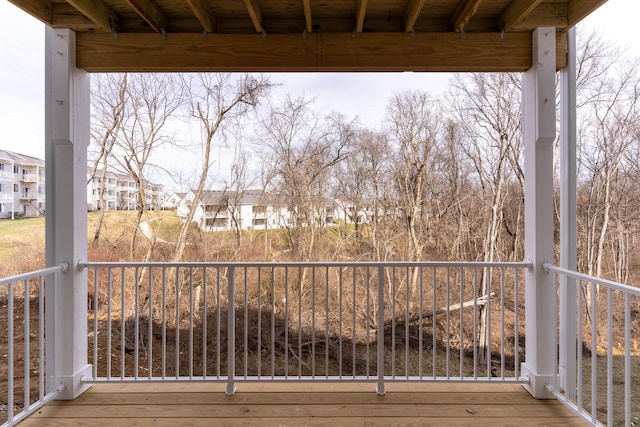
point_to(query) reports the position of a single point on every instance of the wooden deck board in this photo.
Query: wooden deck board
(300, 404)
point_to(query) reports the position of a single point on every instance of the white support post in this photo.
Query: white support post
(66, 140)
(539, 133)
(568, 215)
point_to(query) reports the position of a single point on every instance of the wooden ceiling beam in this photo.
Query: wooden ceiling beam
(255, 13)
(464, 12)
(306, 4)
(98, 12)
(203, 13)
(99, 52)
(516, 12)
(152, 14)
(40, 9)
(580, 9)
(361, 12)
(411, 15)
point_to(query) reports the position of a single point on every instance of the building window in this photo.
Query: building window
(1, 167)
(15, 188)
(39, 189)
(16, 169)
(1, 187)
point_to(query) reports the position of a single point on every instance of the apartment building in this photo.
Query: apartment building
(22, 188)
(228, 210)
(120, 192)
(22, 185)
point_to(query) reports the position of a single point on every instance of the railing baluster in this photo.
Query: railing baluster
(286, 322)
(10, 352)
(150, 325)
(448, 322)
(340, 312)
(420, 326)
(313, 323)
(273, 322)
(164, 322)
(27, 347)
(245, 354)
(502, 330)
(191, 323)
(434, 342)
(326, 324)
(594, 357)
(516, 333)
(580, 296)
(218, 324)
(178, 286)
(122, 322)
(95, 322)
(136, 314)
(475, 323)
(354, 367)
(205, 320)
(41, 335)
(380, 363)
(627, 359)
(609, 357)
(393, 321)
(406, 321)
(231, 331)
(461, 346)
(259, 350)
(109, 319)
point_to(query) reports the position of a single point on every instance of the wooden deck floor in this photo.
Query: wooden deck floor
(311, 405)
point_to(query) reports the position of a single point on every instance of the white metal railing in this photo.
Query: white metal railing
(27, 344)
(377, 322)
(599, 360)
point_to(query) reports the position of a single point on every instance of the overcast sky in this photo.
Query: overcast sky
(22, 77)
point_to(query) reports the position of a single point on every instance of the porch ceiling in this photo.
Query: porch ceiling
(308, 35)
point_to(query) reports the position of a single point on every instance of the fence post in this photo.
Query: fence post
(231, 331)
(380, 347)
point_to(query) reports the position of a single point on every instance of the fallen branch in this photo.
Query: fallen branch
(475, 302)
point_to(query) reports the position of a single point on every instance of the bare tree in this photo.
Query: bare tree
(301, 150)
(487, 107)
(108, 100)
(152, 99)
(215, 101)
(415, 120)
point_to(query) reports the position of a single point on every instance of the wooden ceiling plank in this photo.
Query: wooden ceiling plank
(580, 9)
(151, 13)
(307, 15)
(411, 15)
(202, 12)
(361, 12)
(256, 14)
(516, 12)
(98, 52)
(39, 9)
(98, 12)
(464, 13)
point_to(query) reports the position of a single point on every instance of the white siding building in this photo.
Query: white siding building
(120, 192)
(21, 185)
(229, 210)
(22, 189)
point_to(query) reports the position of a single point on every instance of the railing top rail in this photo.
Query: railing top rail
(33, 274)
(479, 264)
(596, 280)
